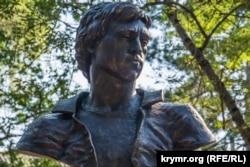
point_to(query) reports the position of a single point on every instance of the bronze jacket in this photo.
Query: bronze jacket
(164, 126)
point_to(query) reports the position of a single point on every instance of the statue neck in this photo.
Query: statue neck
(108, 93)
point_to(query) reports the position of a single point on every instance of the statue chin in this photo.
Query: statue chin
(124, 76)
(130, 75)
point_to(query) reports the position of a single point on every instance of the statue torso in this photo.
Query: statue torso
(87, 138)
(113, 134)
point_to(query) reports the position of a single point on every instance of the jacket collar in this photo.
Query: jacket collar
(69, 106)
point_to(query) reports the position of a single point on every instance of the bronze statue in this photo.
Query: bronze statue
(114, 124)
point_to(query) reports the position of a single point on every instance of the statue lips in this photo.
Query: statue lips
(135, 60)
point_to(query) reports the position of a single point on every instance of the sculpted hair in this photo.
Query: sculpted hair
(94, 25)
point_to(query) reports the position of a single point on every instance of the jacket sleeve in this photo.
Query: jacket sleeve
(189, 130)
(60, 137)
(43, 137)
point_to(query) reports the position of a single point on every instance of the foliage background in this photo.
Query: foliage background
(37, 64)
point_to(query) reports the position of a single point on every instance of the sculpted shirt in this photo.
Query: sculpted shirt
(161, 126)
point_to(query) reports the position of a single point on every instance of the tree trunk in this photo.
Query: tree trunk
(217, 83)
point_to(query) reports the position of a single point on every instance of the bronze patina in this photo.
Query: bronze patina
(114, 124)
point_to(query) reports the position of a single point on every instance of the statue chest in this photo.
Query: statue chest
(113, 135)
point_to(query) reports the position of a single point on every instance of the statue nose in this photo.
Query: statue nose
(135, 47)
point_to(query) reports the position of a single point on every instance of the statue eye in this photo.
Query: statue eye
(125, 35)
(144, 42)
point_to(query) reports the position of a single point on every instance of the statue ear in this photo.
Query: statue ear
(90, 49)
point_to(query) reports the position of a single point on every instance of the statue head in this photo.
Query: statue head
(94, 25)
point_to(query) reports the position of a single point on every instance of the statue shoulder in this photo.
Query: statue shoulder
(45, 135)
(51, 120)
(188, 129)
(176, 110)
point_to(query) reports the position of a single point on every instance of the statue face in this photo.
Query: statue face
(122, 51)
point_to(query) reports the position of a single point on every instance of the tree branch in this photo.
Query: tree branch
(170, 3)
(207, 39)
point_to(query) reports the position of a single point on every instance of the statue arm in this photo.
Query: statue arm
(190, 131)
(42, 138)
